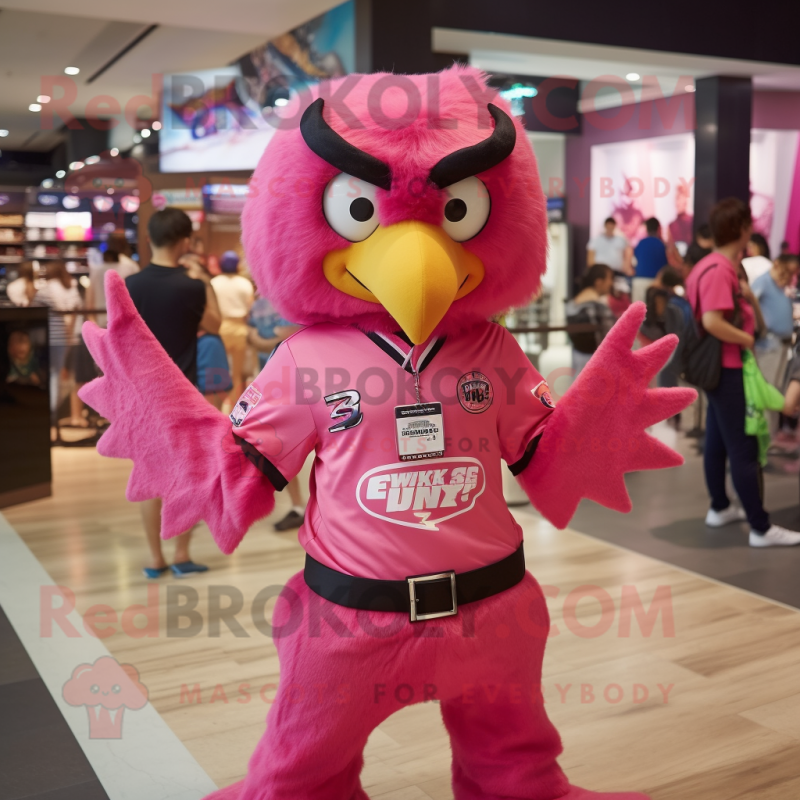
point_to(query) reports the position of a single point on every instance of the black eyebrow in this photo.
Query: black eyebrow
(479, 157)
(327, 144)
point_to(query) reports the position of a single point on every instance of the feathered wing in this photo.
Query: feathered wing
(182, 448)
(597, 432)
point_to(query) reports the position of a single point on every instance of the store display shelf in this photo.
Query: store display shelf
(65, 241)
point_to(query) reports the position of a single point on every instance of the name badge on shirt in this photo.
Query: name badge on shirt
(420, 431)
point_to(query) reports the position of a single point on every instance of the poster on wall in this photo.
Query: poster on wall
(633, 181)
(775, 187)
(222, 119)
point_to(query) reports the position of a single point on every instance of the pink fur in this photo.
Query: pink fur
(182, 447)
(597, 432)
(285, 233)
(343, 672)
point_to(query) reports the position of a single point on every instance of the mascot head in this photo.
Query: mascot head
(406, 202)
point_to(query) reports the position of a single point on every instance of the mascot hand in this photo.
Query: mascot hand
(597, 432)
(182, 448)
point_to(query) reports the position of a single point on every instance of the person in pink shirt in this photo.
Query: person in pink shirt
(721, 305)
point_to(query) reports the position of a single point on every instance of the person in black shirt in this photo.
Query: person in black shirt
(174, 304)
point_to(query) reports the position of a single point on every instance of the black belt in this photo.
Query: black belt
(438, 594)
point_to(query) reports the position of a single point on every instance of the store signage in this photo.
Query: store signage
(178, 198)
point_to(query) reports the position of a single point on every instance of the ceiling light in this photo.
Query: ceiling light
(114, 152)
(76, 165)
(34, 107)
(61, 174)
(43, 98)
(47, 183)
(92, 160)
(145, 133)
(690, 87)
(3, 132)
(281, 101)
(632, 76)
(71, 70)
(156, 126)
(137, 138)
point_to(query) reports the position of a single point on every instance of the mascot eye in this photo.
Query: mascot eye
(94, 689)
(350, 207)
(116, 688)
(466, 209)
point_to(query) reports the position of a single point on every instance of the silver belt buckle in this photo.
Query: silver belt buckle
(412, 582)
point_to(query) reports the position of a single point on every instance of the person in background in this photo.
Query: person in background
(785, 248)
(713, 288)
(83, 363)
(694, 254)
(267, 330)
(757, 262)
(213, 372)
(619, 298)
(235, 294)
(21, 290)
(24, 367)
(174, 306)
(119, 245)
(668, 311)
(702, 245)
(589, 306)
(704, 237)
(610, 248)
(196, 257)
(772, 348)
(651, 256)
(96, 290)
(60, 294)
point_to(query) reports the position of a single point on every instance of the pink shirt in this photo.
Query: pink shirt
(712, 286)
(370, 514)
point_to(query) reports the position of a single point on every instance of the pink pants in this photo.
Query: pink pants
(344, 671)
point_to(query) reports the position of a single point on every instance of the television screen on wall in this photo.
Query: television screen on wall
(222, 119)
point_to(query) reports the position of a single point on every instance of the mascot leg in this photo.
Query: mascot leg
(339, 669)
(504, 746)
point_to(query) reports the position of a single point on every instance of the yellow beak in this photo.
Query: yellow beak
(413, 269)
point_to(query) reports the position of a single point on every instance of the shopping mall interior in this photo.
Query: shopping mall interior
(257, 259)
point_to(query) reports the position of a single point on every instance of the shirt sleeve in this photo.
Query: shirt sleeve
(716, 291)
(525, 406)
(271, 424)
(759, 287)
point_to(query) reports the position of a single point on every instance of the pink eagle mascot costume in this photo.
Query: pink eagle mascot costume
(394, 223)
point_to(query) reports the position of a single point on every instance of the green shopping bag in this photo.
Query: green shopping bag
(759, 396)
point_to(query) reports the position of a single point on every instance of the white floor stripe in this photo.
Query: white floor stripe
(149, 762)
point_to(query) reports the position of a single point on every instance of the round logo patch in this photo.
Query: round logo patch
(542, 393)
(474, 392)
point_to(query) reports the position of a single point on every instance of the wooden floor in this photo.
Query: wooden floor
(729, 728)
